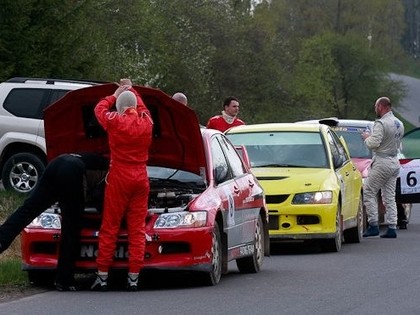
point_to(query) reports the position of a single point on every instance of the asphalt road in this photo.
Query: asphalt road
(410, 105)
(376, 276)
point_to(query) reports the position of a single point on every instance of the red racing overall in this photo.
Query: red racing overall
(127, 189)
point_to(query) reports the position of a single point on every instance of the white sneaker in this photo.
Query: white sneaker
(100, 283)
(132, 281)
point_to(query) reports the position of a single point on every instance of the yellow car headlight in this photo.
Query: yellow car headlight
(316, 197)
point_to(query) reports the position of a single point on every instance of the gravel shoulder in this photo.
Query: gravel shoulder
(10, 293)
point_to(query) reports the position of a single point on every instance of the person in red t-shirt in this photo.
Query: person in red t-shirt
(127, 186)
(228, 118)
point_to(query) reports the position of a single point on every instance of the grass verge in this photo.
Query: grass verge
(11, 274)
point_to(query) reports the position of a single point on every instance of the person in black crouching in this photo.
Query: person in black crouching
(63, 181)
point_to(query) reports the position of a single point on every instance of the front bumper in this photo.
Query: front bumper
(166, 249)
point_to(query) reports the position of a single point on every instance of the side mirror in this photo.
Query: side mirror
(220, 174)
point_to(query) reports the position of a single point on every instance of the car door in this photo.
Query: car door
(229, 189)
(345, 172)
(408, 183)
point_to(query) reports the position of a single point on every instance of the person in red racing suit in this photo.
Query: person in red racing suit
(126, 194)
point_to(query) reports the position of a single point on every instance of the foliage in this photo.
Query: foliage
(338, 75)
(284, 59)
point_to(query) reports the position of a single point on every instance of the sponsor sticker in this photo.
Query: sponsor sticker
(410, 176)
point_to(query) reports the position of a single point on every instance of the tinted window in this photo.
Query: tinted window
(30, 103)
(25, 102)
(56, 95)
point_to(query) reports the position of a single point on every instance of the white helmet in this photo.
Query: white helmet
(126, 100)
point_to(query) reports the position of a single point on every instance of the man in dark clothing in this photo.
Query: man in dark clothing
(64, 182)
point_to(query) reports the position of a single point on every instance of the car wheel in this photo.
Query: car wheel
(355, 234)
(213, 277)
(334, 244)
(41, 277)
(21, 172)
(252, 264)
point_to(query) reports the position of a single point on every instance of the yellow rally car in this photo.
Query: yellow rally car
(312, 188)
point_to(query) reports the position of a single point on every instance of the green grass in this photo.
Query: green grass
(10, 260)
(11, 272)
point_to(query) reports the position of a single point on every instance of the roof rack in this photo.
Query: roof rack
(51, 80)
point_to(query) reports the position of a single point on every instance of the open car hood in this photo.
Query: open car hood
(71, 126)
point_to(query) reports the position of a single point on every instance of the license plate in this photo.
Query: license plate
(90, 252)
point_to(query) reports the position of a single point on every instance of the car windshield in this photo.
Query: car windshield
(164, 176)
(354, 141)
(283, 148)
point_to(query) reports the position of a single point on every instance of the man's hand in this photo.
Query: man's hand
(365, 135)
(121, 89)
(126, 82)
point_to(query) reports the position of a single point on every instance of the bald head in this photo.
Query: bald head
(180, 97)
(382, 106)
(384, 101)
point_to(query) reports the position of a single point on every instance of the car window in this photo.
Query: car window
(354, 141)
(232, 156)
(30, 103)
(410, 144)
(26, 103)
(283, 148)
(337, 150)
(175, 175)
(56, 95)
(221, 169)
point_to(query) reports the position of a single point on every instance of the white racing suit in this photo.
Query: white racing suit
(384, 170)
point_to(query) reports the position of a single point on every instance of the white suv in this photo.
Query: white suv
(22, 140)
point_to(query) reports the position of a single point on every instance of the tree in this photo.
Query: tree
(44, 38)
(339, 76)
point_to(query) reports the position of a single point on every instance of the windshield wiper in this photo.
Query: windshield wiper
(278, 165)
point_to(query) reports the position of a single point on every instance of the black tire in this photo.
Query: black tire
(21, 172)
(252, 264)
(44, 278)
(213, 277)
(333, 245)
(355, 234)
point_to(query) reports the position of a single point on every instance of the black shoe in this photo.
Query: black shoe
(390, 233)
(100, 283)
(402, 225)
(62, 287)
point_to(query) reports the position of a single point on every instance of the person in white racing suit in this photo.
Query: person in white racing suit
(384, 141)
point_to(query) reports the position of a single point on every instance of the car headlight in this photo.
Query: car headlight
(318, 197)
(181, 219)
(46, 221)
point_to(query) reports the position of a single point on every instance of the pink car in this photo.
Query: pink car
(351, 129)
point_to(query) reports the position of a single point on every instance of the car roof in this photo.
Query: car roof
(70, 126)
(311, 127)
